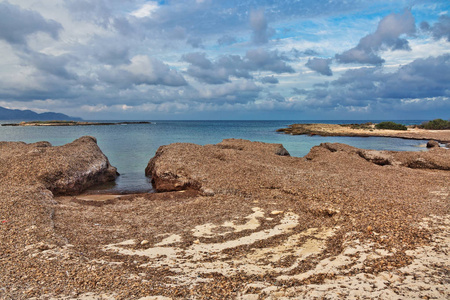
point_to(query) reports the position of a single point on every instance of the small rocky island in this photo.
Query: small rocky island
(367, 130)
(72, 123)
(235, 220)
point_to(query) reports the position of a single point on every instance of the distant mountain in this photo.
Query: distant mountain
(17, 114)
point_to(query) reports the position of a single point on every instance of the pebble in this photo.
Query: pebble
(276, 212)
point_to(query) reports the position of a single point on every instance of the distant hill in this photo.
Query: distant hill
(17, 114)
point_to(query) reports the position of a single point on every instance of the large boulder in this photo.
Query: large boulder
(67, 169)
(432, 144)
(223, 168)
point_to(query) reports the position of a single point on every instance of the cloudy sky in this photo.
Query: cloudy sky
(234, 59)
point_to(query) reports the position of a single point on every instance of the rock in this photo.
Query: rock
(276, 212)
(144, 242)
(432, 144)
(208, 192)
(436, 158)
(173, 175)
(67, 169)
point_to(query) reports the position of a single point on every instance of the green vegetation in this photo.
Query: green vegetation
(366, 126)
(390, 125)
(436, 124)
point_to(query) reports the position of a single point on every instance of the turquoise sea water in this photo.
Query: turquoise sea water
(130, 147)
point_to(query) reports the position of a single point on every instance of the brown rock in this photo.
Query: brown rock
(432, 144)
(67, 169)
(168, 172)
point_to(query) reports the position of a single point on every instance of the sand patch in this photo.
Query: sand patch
(207, 230)
(205, 258)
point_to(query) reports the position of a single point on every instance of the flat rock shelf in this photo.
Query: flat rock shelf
(234, 220)
(358, 130)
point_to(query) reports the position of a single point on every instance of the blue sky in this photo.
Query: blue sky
(206, 59)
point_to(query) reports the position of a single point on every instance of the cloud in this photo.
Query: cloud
(143, 70)
(16, 24)
(297, 91)
(217, 72)
(261, 31)
(49, 64)
(419, 80)
(226, 40)
(145, 10)
(195, 42)
(226, 66)
(240, 91)
(270, 79)
(307, 52)
(440, 29)
(320, 65)
(260, 59)
(387, 36)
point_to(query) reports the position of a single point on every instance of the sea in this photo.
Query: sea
(130, 147)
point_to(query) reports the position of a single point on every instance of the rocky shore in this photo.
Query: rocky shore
(71, 123)
(236, 220)
(442, 136)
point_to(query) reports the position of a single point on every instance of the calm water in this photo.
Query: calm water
(130, 147)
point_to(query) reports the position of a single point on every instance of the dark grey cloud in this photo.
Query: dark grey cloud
(415, 82)
(260, 59)
(52, 65)
(308, 52)
(320, 65)
(440, 29)
(195, 42)
(261, 31)
(217, 72)
(270, 79)
(226, 40)
(16, 24)
(297, 91)
(227, 66)
(387, 36)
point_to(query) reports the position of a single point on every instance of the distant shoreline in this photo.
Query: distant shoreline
(72, 123)
(442, 136)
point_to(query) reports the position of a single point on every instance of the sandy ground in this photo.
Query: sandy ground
(247, 222)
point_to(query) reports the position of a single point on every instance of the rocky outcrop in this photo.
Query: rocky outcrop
(362, 130)
(30, 176)
(67, 169)
(435, 158)
(432, 144)
(204, 168)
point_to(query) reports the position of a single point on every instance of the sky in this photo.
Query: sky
(234, 59)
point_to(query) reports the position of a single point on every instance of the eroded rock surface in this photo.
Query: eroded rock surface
(243, 221)
(208, 168)
(436, 158)
(67, 169)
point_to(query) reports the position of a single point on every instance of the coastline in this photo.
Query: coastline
(72, 123)
(442, 136)
(224, 224)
